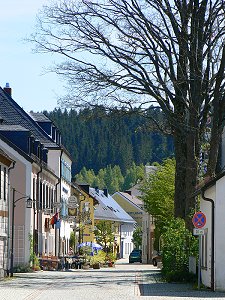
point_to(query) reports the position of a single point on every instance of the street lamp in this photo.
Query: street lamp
(29, 205)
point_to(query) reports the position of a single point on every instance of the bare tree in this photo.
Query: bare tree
(137, 53)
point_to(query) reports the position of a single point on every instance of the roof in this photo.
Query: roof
(5, 155)
(109, 209)
(17, 149)
(13, 128)
(135, 190)
(131, 198)
(39, 117)
(12, 114)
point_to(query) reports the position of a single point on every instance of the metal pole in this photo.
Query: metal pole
(199, 261)
(12, 240)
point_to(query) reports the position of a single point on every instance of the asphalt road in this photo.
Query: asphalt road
(125, 281)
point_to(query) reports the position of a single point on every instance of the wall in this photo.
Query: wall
(127, 230)
(220, 234)
(20, 179)
(134, 211)
(206, 208)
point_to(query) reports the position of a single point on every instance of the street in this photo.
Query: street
(125, 281)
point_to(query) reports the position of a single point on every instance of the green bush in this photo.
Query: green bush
(98, 258)
(22, 268)
(110, 257)
(178, 245)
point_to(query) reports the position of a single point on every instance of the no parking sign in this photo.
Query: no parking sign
(199, 219)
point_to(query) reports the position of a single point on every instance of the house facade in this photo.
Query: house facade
(34, 143)
(133, 205)
(84, 214)
(6, 163)
(212, 242)
(122, 223)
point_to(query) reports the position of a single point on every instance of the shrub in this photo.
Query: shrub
(178, 245)
(22, 268)
(110, 257)
(98, 258)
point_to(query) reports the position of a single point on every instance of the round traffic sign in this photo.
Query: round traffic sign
(199, 219)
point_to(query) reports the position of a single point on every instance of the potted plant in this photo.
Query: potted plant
(110, 259)
(97, 259)
(86, 250)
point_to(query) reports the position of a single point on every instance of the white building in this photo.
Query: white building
(108, 209)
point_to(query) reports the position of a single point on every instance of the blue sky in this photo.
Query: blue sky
(22, 69)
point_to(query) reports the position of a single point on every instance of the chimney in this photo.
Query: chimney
(8, 89)
(84, 187)
(105, 192)
(128, 192)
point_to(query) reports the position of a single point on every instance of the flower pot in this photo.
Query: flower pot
(110, 264)
(85, 267)
(96, 266)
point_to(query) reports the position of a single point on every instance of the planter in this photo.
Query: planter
(110, 264)
(96, 266)
(86, 267)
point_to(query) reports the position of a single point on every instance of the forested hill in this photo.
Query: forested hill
(96, 138)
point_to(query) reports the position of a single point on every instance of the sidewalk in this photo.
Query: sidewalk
(150, 284)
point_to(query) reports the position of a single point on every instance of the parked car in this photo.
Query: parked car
(135, 256)
(157, 258)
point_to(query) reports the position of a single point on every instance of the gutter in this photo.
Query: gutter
(212, 239)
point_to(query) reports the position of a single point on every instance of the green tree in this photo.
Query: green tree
(158, 191)
(178, 245)
(73, 240)
(137, 238)
(158, 195)
(104, 233)
(133, 175)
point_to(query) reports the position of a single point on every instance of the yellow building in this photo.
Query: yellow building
(83, 214)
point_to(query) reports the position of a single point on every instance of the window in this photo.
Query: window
(47, 197)
(4, 184)
(204, 249)
(0, 182)
(44, 197)
(66, 170)
(34, 191)
(40, 199)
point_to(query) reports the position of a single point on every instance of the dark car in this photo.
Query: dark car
(135, 256)
(157, 258)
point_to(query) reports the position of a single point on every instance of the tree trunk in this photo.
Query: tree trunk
(180, 175)
(191, 177)
(186, 155)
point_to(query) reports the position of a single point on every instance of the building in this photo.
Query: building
(122, 223)
(34, 143)
(6, 163)
(134, 207)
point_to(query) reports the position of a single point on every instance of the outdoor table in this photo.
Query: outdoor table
(49, 262)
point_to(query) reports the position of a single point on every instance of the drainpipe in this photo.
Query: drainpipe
(8, 229)
(212, 239)
(38, 207)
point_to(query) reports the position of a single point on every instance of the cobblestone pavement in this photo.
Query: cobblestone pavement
(125, 281)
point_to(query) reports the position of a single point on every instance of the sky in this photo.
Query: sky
(19, 66)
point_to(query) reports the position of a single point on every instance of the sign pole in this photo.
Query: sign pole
(199, 261)
(199, 221)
